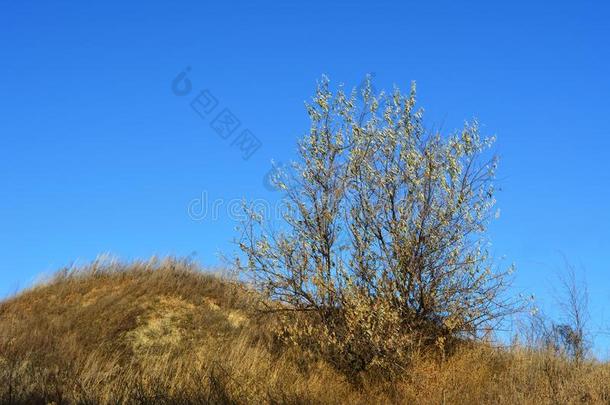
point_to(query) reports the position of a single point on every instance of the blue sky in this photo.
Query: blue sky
(98, 155)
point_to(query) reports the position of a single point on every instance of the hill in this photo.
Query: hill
(168, 332)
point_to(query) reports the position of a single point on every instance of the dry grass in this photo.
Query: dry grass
(165, 332)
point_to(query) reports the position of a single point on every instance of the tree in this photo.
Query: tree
(569, 334)
(381, 247)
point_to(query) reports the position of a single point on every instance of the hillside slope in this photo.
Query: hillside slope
(157, 331)
(166, 332)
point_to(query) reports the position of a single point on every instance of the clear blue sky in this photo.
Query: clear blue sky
(98, 155)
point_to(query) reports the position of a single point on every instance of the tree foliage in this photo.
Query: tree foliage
(381, 246)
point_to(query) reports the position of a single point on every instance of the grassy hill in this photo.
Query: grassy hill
(167, 332)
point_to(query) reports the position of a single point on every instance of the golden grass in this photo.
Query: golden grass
(166, 332)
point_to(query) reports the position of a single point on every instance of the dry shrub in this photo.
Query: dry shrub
(381, 246)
